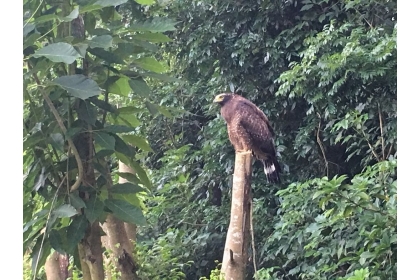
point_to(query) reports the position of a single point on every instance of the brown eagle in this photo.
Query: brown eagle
(249, 130)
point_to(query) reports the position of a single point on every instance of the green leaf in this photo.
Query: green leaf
(139, 87)
(87, 112)
(108, 3)
(153, 109)
(129, 177)
(78, 86)
(128, 110)
(106, 55)
(56, 241)
(28, 28)
(120, 87)
(73, 15)
(65, 210)
(76, 231)
(141, 173)
(155, 25)
(57, 141)
(94, 208)
(129, 120)
(58, 52)
(72, 131)
(126, 211)
(76, 201)
(152, 37)
(103, 41)
(138, 141)
(123, 148)
(103, 105)
(151, 64)
(118, 128)
(105, 140)
(125, 188)
(145, 2)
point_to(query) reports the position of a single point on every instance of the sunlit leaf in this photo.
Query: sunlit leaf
(103, 41)
(65, 210)
(150, 63)
(138, 141)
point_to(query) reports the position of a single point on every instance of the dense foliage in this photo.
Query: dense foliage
(323, 71)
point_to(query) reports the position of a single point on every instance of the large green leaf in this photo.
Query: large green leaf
(118, 128)
(73, 15)
(139, 87)
(125, 211)
(78, 86)
(58, 52)
(87, 112)
(76, 201)
(108, 3)
(106, 55)
(105, 140)
(56, 241)
(152, 37)
(76, 231)
(103, 41)
(94, 208)
(125, 188)
(145, 2)
(155, 25)
(138, 141)
(129, 177)
(120, 87)
(141, 173)
(122, 147)
(65, 210)
(151, 64)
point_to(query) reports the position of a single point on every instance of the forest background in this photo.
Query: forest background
(323, 71)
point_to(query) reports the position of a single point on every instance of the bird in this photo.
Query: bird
(249, 130)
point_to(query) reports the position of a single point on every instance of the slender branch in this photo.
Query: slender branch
(318, 140)
(76, 184)
(382, 132)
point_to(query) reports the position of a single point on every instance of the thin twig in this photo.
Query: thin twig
(382, 132)
(318, 139)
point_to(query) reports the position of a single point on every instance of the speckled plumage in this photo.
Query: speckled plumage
(249, 130)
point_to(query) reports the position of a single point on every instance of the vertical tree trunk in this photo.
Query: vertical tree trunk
(117, 239)
(237, 240)
(56, 267)
(90, 249)
(130, 229)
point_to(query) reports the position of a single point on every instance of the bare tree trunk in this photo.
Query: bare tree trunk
(117, 239)
(90, 249)
(56, 267)
(237, 240)
(130, 229)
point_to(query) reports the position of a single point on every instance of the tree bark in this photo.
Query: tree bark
(130, 229)
(117, 239)
(236, 247)
(56, 267)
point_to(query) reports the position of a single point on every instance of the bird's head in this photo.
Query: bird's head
(222, 98)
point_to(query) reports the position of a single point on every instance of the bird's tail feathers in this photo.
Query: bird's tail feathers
(272, 170)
